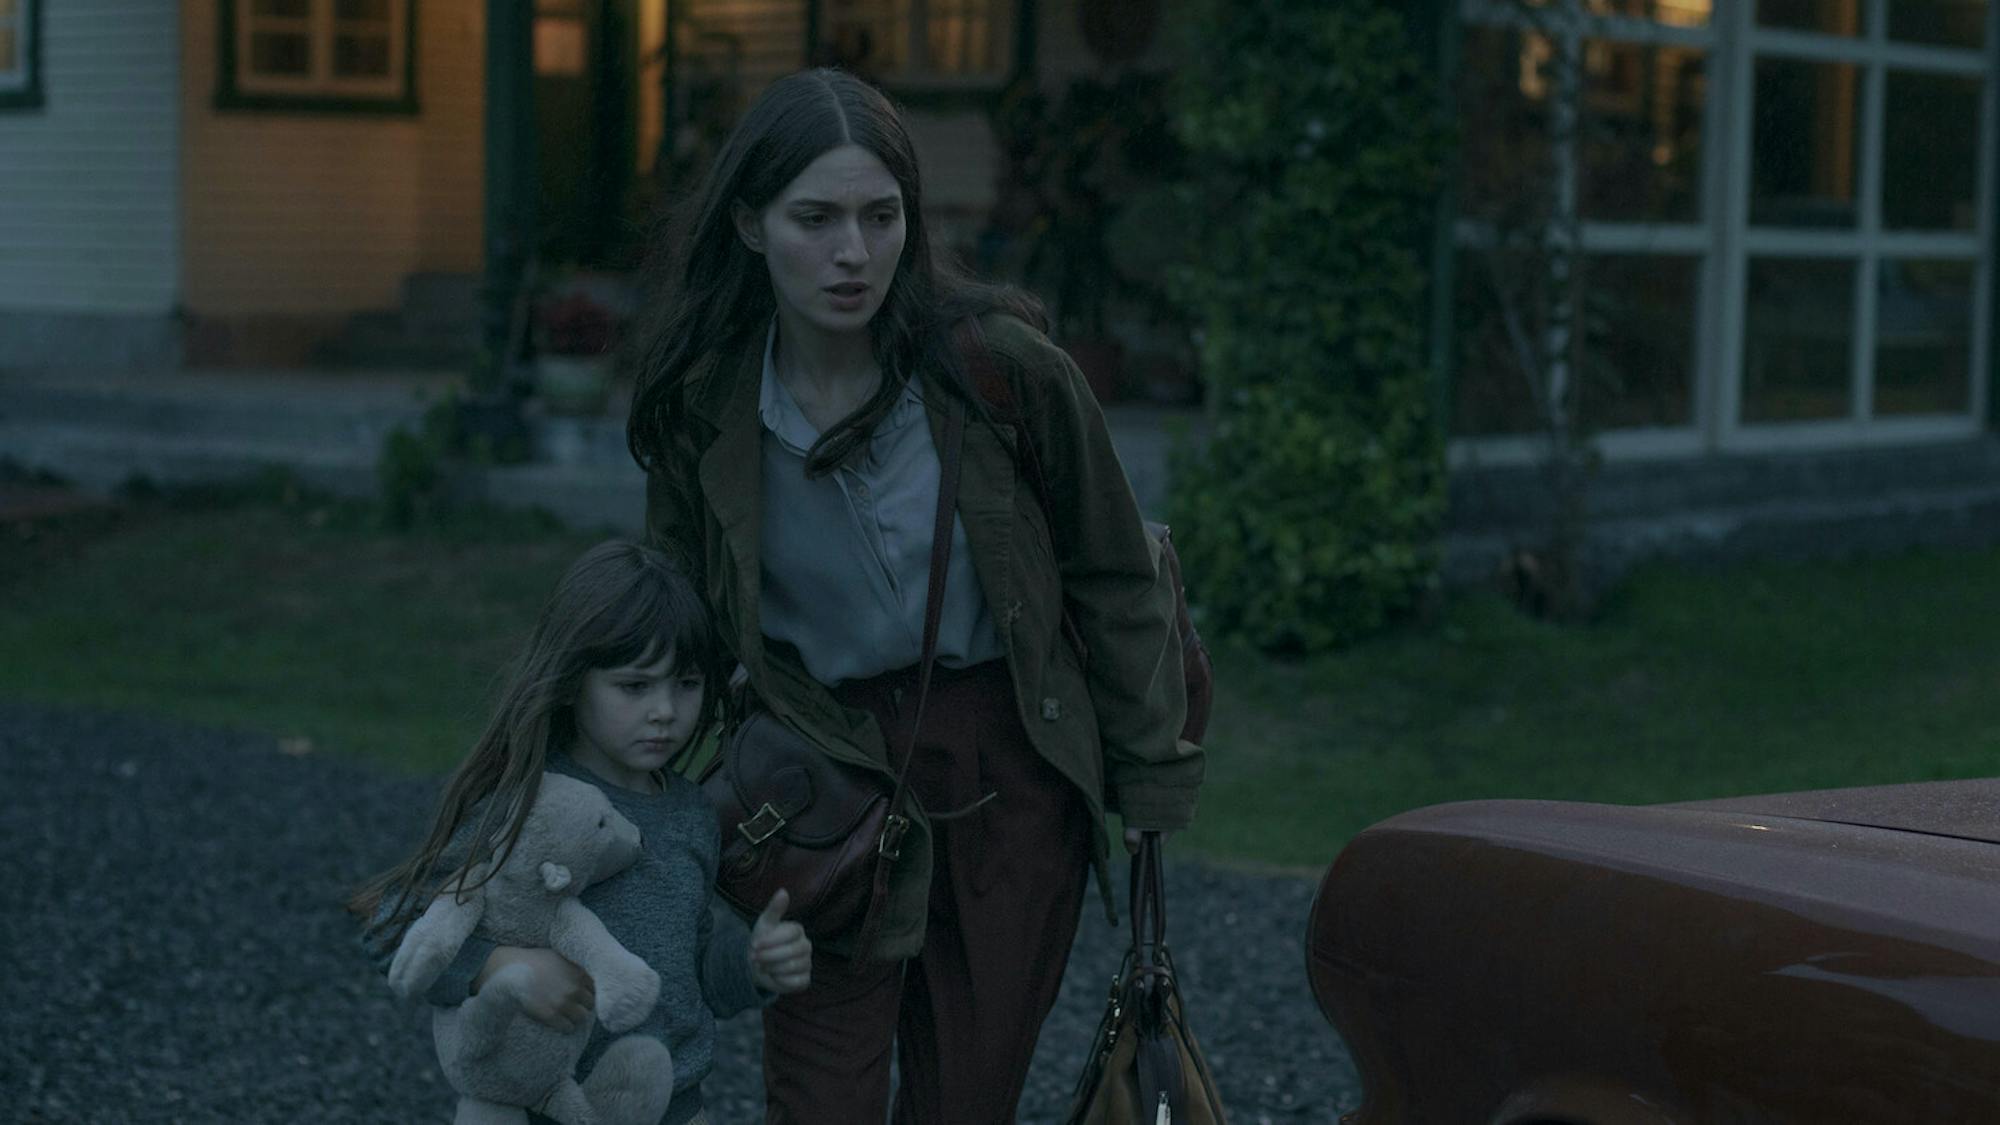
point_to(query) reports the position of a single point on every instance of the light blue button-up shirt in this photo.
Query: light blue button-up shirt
(847, 557)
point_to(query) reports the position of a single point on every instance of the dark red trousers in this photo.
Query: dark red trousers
(1007, 886)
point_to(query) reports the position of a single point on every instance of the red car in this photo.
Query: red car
(1820, 957)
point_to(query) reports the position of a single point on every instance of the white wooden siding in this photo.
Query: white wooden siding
(88, 185)
(322, 214)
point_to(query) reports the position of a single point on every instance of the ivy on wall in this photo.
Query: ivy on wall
(1310, 516)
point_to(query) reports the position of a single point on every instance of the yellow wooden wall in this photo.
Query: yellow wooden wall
(298, 213)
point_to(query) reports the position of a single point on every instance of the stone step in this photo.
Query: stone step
(101, 459)
(279, 411)
(442, 304)
(98, 460)
(1957, 517)
(1488, 500)
(385, 341)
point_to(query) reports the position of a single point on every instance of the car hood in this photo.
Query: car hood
(1968, 810)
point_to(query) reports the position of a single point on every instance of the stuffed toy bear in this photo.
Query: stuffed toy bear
(500, 1061)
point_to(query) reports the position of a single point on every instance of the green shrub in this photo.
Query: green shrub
(1310, 515)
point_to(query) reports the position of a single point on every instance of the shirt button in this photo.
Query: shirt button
(1051, 709)
(861, 490)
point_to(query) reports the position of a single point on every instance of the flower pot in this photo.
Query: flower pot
(573, 384)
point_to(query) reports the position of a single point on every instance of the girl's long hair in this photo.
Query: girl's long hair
(712, 294)
(619, 604)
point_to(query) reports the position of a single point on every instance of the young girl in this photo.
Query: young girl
(612, 689)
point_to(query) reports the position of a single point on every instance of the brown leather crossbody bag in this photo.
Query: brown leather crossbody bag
(826, 831)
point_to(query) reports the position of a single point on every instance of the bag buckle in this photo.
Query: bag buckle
(762, 826)
(890, 847)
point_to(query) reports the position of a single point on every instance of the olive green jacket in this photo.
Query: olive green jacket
(1111, 727)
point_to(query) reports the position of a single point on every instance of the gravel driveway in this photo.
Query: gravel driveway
(174, 950)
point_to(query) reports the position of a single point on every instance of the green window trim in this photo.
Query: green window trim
(230, 97)
(960, 95)
(29, 95)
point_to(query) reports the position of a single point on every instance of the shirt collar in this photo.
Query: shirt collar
(781, 414)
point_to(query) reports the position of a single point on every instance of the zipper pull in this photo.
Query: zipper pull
(1166, 1115)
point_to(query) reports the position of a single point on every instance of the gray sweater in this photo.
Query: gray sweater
(661, 908)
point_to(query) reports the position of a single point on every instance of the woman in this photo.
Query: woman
(788, 417)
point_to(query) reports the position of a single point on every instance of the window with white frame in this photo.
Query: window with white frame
(1781, 212)
(18, 80)
(299, 51)
(921, 42)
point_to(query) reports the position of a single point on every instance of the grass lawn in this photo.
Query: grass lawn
(301, 618)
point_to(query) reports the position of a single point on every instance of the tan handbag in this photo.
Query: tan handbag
(1145, 1067)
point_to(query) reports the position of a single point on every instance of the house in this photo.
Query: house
(265, 182)
(1785, 207)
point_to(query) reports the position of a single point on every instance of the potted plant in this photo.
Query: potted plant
(576, 329)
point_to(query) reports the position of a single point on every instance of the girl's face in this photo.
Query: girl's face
(631, 721)
(831, 239)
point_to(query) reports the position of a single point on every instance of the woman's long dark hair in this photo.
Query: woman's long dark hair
(619, 604)
(713, 294)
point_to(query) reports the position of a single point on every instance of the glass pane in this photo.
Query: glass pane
(1923, 337)
(283, 9)
(372, 11)
(1503, 142)
(1490, 395)
(1834, 17)
(562, 47)
(1806, 138)
(868, 36)
(360, 56)
(1930, 123)
(1639, 320)
(1642, 132)
(1673, 13)
(287, 55)
(1947, 23)
(1797, 326)
(958, 37)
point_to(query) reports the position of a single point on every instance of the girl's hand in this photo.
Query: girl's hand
(551, 990)
(780, 952)
(1132, 839)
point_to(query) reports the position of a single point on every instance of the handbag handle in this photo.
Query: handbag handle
(1149, 905)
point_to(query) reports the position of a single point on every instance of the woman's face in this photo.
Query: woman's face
(832, 240)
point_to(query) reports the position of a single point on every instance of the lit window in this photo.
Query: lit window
(352, 54)
(921, 42)
(20, 84)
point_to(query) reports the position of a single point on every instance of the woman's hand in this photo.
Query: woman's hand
(780, 952)
(551, 989)
(1132, 838)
